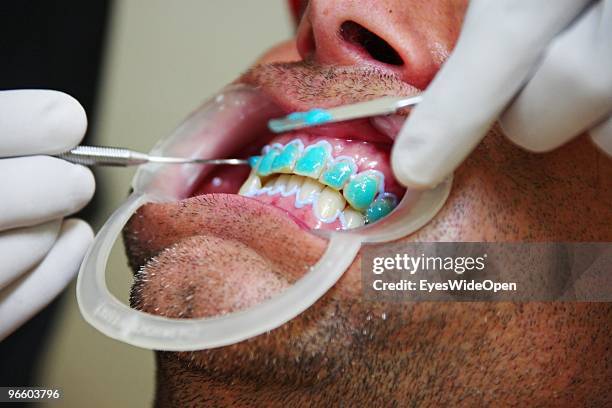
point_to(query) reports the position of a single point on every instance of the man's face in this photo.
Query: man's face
(218, 253)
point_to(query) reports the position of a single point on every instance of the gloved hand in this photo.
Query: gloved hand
(39, 251)
(545, 66)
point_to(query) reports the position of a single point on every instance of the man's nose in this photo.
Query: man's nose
(382, 33)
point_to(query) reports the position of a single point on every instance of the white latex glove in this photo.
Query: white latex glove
(544, 66)
(39, 252)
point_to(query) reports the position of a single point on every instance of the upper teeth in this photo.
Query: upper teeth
(316, 178)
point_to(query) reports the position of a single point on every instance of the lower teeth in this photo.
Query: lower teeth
(328, 205)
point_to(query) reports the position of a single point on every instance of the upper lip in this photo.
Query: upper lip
(303, 85)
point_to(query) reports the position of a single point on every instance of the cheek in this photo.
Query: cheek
(283, 52)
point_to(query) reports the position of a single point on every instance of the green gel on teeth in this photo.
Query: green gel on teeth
(380, 208)
(312, 162)
(254, 160)
(284, 162)
(337, 175)
(265, 164)
(361, 190)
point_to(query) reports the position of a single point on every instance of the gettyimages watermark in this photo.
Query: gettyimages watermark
(486, 271)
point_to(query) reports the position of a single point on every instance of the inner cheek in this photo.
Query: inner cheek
(223, 179)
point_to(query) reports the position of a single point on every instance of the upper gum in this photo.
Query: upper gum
(334, 143)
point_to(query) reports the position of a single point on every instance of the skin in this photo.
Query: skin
(342, 350)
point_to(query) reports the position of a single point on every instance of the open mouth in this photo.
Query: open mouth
(330, 177)
(225, 235)
(325, 182)
(334, 177)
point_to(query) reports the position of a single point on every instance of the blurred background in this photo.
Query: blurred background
(156, 60)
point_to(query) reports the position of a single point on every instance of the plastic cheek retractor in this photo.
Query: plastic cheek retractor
(236, 113)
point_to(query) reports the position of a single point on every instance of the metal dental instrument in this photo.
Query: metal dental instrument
(314, 117)
(116, 156)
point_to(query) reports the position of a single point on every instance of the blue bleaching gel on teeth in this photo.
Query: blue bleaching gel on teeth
(254, 161)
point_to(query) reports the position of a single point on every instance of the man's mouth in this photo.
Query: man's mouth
(329, 177)
(332, 177)
(326, 183)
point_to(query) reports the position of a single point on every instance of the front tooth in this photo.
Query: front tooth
(313, 160)
(295, 182)
(265, 163)
(252, 184)
(381, 207)
(353, 219)
(285, 161)
(338, 174)
(329, 204)
(281, 182)
(309, 188)
(361, 190)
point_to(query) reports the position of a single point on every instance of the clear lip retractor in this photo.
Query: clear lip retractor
(230, 114)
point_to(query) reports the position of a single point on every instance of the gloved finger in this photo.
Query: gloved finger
(22, 248)
(469, 92)
(572, 88)
(24, 297)
(602, 136)
(34, 121)
(36, 189)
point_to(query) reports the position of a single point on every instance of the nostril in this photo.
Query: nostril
(375, 46)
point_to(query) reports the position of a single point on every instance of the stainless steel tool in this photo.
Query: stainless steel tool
(117, 156)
